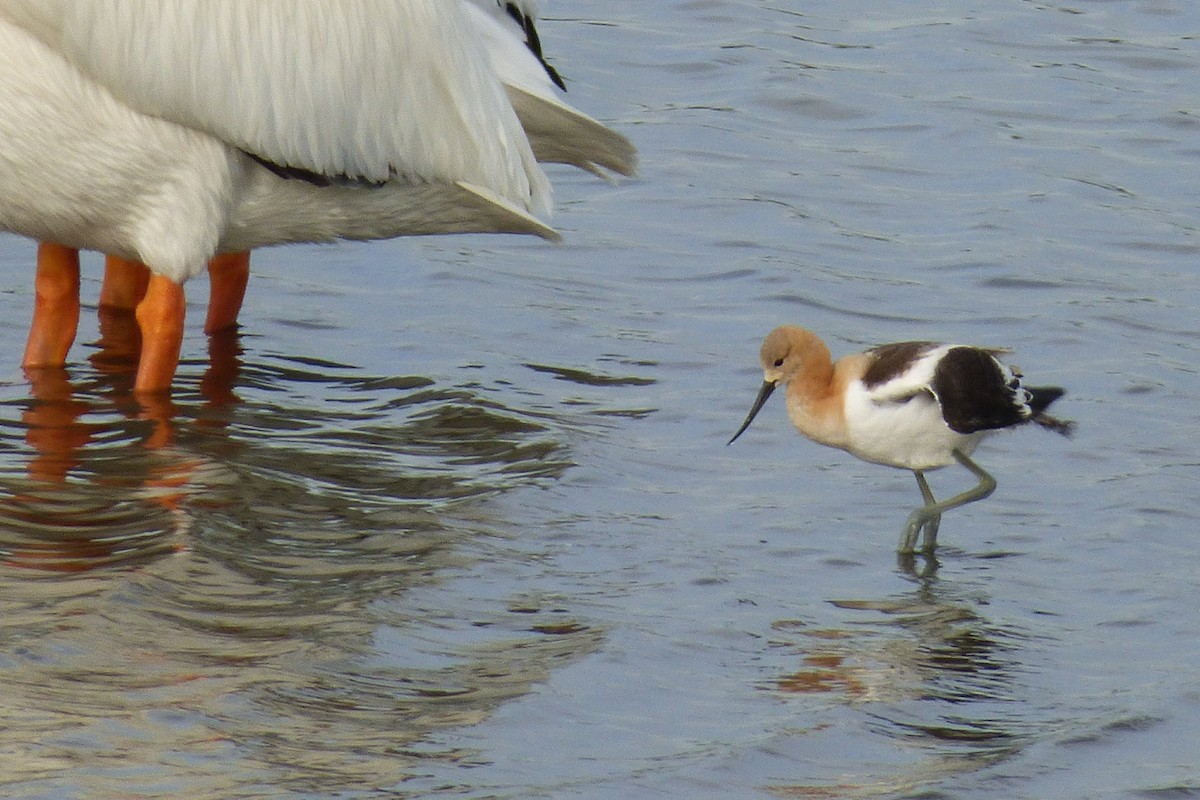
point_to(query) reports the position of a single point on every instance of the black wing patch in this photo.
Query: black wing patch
(291, 173)
(890, 360)
(977, 393)
(308, 176)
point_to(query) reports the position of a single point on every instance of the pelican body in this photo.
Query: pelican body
(168, 132)
(918, 406)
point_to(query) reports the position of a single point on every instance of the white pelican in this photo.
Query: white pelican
(181, 134)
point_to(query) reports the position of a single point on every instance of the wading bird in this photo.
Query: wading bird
(180, 134)
(913, 405)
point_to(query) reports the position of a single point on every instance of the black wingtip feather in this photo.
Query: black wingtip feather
(1063, 427)
(1040, 398)
(534, 43)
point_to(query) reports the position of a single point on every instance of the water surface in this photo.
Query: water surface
(454, 517)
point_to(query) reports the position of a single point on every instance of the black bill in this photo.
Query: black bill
(763, 394)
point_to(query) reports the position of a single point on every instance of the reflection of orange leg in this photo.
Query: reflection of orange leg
(125, 283)
(224, 366)
(160, 316)
(56, 308)
(55, 432)
(229, 273)
(120, 342)
(53, 427)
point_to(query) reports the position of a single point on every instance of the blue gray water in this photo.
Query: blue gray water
(455, 517)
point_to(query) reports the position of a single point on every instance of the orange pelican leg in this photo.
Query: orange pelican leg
(124, 287)
(160, 317)
(228, 274)
(124, 284)
(56, 307)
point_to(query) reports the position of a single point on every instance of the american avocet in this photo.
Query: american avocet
(164, 133)
(912, 405)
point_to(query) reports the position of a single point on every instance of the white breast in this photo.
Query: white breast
(901, 429)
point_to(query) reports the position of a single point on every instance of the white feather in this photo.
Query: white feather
(917, 377)
(899, 423)
(557, 132)
(124, 123)
(512, 59)
(372, 89)
(912, 434)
